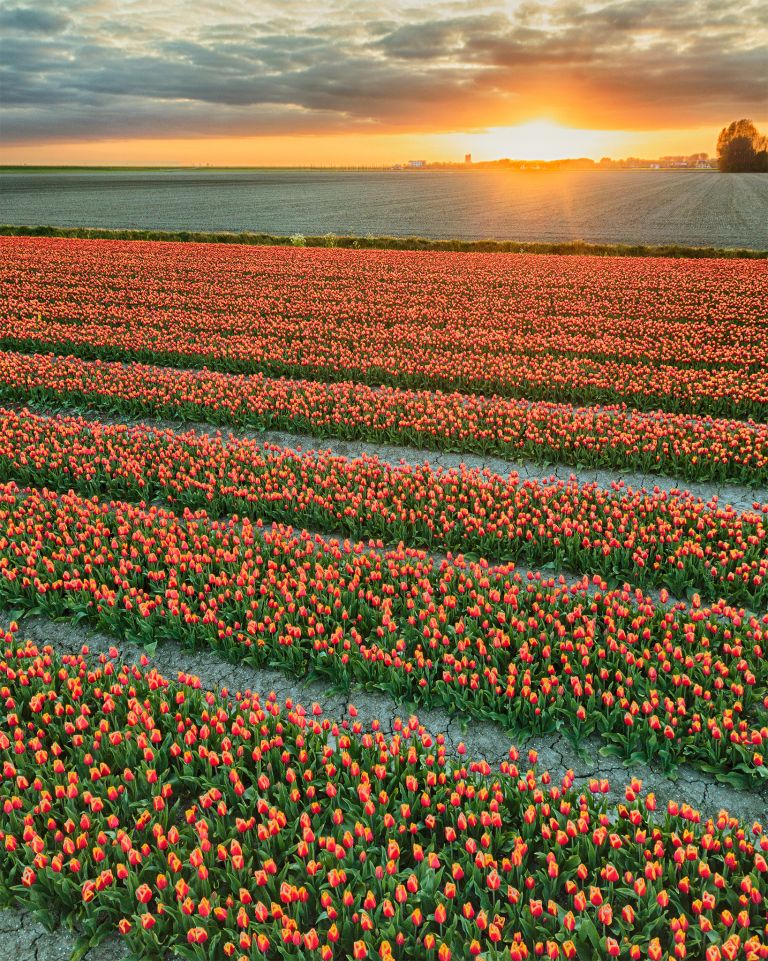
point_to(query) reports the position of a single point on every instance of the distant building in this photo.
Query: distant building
(703, 165)
(417, 164)
(467, 158)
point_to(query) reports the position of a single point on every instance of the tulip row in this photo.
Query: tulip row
(662, 683)
(681, 312)
(719, 393)
(657, 539)
(227, 827)
(682, 446)
(685, 336)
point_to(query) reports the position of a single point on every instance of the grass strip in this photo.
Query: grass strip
(578, 248)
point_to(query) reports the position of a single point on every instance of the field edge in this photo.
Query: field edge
(578, 248)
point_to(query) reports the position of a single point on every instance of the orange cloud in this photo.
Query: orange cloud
(135, 77)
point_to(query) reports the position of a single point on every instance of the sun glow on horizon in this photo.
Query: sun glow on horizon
(541, 140)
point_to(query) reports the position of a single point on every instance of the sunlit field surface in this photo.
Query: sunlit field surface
(698, 207)
(384, 482)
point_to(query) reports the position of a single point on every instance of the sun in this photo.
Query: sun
(541, 140)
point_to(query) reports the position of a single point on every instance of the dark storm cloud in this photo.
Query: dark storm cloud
(101, 69)
(32, 21)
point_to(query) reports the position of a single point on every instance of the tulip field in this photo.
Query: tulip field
(673, 541)
(693, 448)
(232, 827)
(489, 643)
(146, 496)
(653, 333)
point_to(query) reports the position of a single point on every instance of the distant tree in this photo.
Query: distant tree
(739, 156)
(741, 148)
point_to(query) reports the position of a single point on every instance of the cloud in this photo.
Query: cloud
(110, 69)
(32, 21)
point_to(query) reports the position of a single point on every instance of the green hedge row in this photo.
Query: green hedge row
(573, 247)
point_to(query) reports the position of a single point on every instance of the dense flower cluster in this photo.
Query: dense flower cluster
(222, 826)
(658, 539)
(658, 682)
(683, 446)
(227, 827)
(680, 335)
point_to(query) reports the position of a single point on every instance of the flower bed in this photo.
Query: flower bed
(680, 335)
(686, 447)
(675, 541)
(227, 827)
(655, 682)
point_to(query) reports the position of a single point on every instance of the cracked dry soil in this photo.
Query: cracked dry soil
(22, 938)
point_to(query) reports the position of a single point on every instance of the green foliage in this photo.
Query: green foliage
(741, 148)
(572, 247)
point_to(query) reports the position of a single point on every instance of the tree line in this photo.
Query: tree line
(741, 148)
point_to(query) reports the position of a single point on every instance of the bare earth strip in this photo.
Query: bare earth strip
(691, 207)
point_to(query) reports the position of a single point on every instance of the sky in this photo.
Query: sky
(251, 82)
